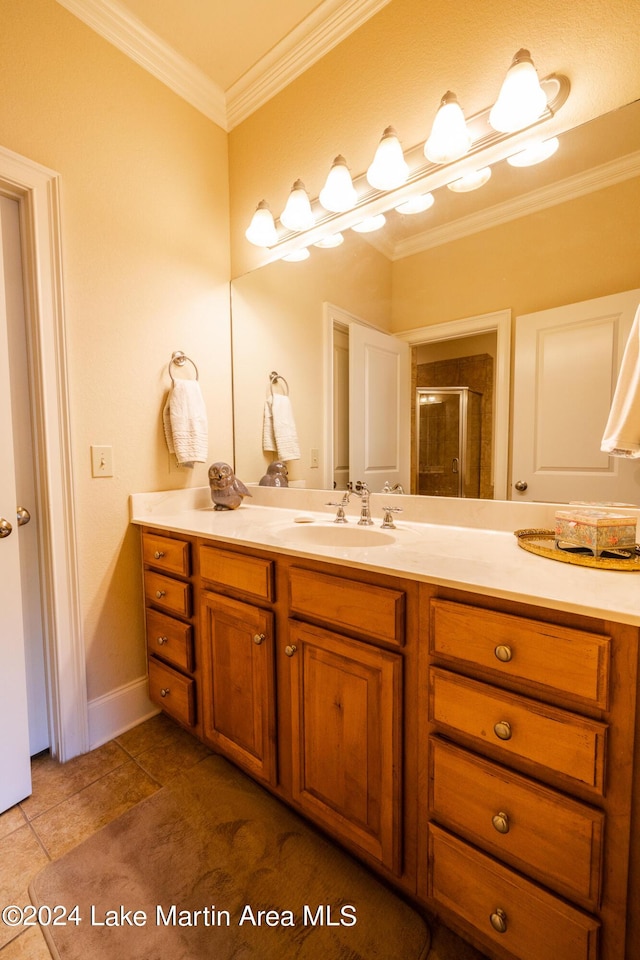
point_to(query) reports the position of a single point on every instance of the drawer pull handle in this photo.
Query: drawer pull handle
(159, 554)
(161, 641)
(290, 649)
(164, 692)
(501, 822)
(160, 594)
(502, 730)
(259, 638)
(499, 920)
(503, 653)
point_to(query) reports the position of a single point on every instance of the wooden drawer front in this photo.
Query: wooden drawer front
(538, 926)
(170, 639)
(247, 574)
(376, 612)
(552, 838)
(571, 662)
(165, 554)
(165, 592)
(173, 692)
(555, 739)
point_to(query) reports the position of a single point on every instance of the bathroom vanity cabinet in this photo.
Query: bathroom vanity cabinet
(476, 752)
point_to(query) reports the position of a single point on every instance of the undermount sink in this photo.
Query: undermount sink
(336, 535)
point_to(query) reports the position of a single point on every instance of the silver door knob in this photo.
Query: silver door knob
(23, 516)
(521, 485)
(5, 528)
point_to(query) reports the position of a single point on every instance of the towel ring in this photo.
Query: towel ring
(273, 378)
(180, 358)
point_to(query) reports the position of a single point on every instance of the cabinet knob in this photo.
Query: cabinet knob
(164, 692)
(501, 822)
(290, 649)
(159, 554)
(160, 594)
(499, 920)
(502, 730)
(161, 641)
(503, 652)
(259, 638)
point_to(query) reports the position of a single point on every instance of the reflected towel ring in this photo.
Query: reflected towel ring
(180, 358)
(273, 378)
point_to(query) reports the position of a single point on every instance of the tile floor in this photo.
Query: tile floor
(73, 800)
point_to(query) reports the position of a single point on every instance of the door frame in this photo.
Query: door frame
(37, 190)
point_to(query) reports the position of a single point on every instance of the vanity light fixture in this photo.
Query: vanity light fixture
(470, 181)
(338, 194)
(334, 240)
(389, 169)
(536, 153)
(521, 100)
(261, 232)
(297, 255)
(297, 214)
(419, 204)
(449, 138)
(370, 224)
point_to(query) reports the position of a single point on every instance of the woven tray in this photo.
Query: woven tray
(543, 543)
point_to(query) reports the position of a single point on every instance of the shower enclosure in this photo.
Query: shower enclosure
(448, 441)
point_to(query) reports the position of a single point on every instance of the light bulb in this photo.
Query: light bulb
(470, 181)
(389, 168)
(521, 100)
(297, 214)
(328, 242)
(369, 224)
(297, 255)
(536, 153)
(338, 193)
(262, 229)
(449, 139)
(416, 204)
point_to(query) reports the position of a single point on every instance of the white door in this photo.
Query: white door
(379, 408)
(566, 365)
(15, 781)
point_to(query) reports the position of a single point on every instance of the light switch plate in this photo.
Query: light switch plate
(101, 461)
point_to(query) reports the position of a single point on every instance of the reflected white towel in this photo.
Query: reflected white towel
(279, 428)
(268, 436)
(622, 434)
(185, 423)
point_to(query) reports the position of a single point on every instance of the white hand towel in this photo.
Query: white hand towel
(268, 436)
(622, 433)
(185, 423)
(284, 428)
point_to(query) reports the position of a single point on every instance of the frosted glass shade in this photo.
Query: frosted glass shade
(297, 214)
(389, 169)
(332, 241)
(296, 255)
(261, 232)
(449, 139)
(521, 100)
(416, 204)
(369, 224)
(536, 153)
(338, 193)
(470, 181)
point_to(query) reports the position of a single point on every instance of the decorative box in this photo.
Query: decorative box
(596, 530)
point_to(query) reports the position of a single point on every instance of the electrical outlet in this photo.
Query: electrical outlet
(101, 461)
(315, 458)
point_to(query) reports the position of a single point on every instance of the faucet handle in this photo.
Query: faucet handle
(340, 517)
(387, 522)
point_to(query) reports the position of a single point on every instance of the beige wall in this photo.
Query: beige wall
(145, 229)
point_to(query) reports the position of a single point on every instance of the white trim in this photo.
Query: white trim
(324, 29)
(500, 323)
(119, 711)
(37, 190)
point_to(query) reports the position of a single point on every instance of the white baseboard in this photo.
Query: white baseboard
(119, 711)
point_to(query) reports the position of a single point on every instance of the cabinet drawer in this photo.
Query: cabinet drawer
(173, 692)
(535, 924)
(250, 575)
(514, 726)
(165, 592)
(170, 639)
(570, 662)
(551, 837)
(376, 612)
(166, 554)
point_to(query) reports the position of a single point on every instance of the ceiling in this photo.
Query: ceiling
(225, 58)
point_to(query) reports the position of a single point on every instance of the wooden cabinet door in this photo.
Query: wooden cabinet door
(346, 738)
(238, 686)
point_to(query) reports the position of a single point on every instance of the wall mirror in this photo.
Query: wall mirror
(528, 241)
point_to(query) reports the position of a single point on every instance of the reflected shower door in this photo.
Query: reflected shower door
(448, 461)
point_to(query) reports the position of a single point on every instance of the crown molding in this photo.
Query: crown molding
(324, 29)
(579, 185)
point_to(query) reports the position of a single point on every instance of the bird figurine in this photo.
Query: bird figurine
(226, 490)
(277, 475)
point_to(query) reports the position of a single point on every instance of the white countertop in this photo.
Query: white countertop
(481, 559)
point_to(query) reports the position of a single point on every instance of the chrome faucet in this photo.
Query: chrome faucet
(340, 517)
(396, 488)
(362, 490)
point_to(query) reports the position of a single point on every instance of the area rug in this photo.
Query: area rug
(213, 866)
